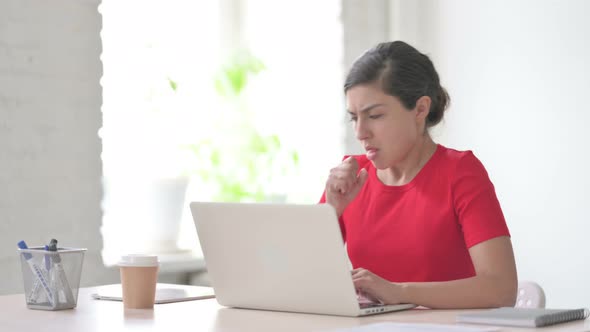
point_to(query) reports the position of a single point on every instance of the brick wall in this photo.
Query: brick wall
(50, 99)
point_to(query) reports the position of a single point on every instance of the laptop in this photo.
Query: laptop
(282, 257)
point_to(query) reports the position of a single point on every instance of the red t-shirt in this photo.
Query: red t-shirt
(421, 231)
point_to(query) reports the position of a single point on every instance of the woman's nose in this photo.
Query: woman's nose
(361, 130)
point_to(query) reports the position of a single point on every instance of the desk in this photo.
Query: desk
(204, 315)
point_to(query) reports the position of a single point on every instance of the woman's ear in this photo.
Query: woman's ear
(422, 107)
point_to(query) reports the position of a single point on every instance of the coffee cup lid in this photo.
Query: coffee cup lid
(139, 260)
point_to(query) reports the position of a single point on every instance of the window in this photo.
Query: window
(163, 106)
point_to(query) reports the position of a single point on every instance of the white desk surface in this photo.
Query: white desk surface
(205, 315)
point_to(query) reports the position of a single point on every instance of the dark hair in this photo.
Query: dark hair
(403, 72)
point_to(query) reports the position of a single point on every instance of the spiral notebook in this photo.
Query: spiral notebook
(523, 317)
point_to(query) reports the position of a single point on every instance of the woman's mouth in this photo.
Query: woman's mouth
(371, 153)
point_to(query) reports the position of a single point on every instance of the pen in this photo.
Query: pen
(41, 277)
(59, 272)
(47, 260)
(53, 286)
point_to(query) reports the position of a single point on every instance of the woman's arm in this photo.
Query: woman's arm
(494, 285)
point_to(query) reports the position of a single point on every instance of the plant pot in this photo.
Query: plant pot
(142, 215)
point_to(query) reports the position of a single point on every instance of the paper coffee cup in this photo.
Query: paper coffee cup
(139, 274)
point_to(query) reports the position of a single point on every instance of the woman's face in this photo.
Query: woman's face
(387, 130)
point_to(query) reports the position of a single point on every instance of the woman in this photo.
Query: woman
(422, 222)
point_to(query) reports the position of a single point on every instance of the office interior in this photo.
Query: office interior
(517, 73)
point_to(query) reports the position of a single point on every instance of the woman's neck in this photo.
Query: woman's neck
(405, 171)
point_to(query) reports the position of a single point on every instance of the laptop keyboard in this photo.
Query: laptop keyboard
(364, 302)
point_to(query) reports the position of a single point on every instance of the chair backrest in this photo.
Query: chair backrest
(530, 295)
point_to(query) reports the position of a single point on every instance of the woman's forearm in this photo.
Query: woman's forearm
(476, 292)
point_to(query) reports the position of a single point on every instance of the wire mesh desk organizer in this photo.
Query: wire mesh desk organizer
(51, 275)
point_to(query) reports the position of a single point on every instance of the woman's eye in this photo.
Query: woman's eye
(353, 119)
(377, 116)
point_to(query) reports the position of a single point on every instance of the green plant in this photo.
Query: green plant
(241, 164)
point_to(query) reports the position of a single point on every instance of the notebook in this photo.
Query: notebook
(415, 327)
(165, 293)
(523, 317)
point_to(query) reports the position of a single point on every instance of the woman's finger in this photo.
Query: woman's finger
(337, 186)
(343, 175)
(358, 272)
(341, 186)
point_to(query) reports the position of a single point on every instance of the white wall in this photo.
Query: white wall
(518, 73)
(50, 100)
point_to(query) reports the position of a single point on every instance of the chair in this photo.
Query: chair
(530, 295)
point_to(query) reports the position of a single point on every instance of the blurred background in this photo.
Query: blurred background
(115, 114)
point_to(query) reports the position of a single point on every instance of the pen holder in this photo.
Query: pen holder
(51, 278)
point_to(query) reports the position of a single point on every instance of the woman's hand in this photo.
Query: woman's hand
(344, 183)
(376, 288)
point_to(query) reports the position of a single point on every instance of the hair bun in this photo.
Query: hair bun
(438, 107)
